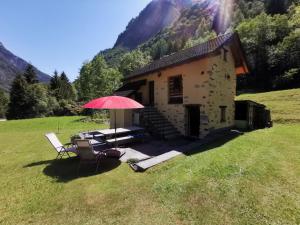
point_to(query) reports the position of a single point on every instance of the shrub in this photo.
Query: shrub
(3, 103)
(290, 79)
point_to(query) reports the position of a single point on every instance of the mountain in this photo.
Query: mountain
(192, 22)
(11, 65)
(157, 15)
(165, 27)
(162, 19)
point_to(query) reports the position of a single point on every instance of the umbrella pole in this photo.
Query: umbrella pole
(115, 129)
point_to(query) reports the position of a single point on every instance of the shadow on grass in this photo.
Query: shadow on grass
(38, 163)
(65, 170)
(215, 143)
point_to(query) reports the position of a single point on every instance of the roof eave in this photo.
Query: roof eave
(172, 65)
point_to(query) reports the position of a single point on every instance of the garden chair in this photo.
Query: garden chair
(87, 154)
(59, 147)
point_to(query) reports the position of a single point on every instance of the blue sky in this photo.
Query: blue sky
(62, 34)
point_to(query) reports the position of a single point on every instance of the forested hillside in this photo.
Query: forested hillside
(269, 31)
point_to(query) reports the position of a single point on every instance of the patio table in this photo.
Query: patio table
(109, 132)
(95, 142)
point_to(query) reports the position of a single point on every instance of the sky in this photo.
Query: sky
(62, 34)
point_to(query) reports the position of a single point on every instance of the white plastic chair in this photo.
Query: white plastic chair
(87, 154)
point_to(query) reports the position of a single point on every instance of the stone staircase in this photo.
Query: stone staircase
(157, 125)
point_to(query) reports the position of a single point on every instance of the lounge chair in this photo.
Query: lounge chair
(87, 153)
(59, 147)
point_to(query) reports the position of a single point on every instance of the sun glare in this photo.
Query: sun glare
(225, 14)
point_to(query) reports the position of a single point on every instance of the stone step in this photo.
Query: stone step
(158, 124)
(171, 130)
(149, 110)
(151, 113)
(158, 120)
(155, 118)
(166, 127)
(172, 136)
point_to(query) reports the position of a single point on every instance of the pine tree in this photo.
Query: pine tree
(55, 81)
(66, 90)
(64, 78)
(17, 108)
(30, 75)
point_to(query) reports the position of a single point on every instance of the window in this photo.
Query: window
(225, 54)
(175, 90)
(223, 114)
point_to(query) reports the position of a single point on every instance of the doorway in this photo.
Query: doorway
(151, 93)
(193, 120)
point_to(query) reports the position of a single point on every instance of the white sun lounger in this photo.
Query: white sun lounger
(59, 147)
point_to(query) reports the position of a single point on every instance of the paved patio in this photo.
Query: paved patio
(154, 151)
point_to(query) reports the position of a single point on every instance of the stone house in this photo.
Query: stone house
(189, 93)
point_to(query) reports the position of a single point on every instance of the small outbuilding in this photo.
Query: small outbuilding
(250, 115)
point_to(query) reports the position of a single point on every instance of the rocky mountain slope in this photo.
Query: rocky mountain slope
(158, 15)
(193, 21)
(11, 65)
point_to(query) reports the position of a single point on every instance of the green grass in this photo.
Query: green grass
(252, 179)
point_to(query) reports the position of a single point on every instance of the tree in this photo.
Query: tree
(113, 56)
(276, 7)
(294, 16)
(159, 49)
(3, 103)
(202, 34)
(290, 79)
(55, 81)
(96, 79)
(133, 60)
(291, 47)
(29, 100)
(30, 75)
(251, 9)
(260, 37)
(84, 82)
(106, 80)
(66, 90)
(17, 107)
(61, 88)
(64, 78)
(287, 53)
(38, 101)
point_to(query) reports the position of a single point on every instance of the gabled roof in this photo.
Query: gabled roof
(187, 54)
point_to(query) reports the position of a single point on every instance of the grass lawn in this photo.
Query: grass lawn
(252, 179)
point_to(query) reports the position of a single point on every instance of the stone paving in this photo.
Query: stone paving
(154, 152)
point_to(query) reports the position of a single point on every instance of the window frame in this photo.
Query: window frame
(172, 97)
(223, 114)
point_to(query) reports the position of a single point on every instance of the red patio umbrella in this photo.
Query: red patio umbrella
(113, 102)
